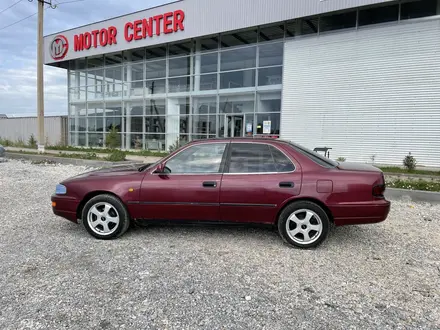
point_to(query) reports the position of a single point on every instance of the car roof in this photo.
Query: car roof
(240, 139)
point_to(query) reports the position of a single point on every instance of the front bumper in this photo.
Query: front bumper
(65, 207)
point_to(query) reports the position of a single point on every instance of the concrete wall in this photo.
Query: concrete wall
(15, 129)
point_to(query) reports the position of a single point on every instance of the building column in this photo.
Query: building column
(197, 66)
(128, 106)
(77, 108)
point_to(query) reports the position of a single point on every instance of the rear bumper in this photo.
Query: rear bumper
(360, 213)
(65, 207)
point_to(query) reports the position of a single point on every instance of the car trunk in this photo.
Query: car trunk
(358, 167)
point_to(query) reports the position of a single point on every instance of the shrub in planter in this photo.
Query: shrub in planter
(116, 156)
(409, 162)
(341, 159)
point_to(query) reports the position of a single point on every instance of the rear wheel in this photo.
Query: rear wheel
(105, 217)
(303, 224)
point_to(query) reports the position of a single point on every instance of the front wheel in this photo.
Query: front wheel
(105, 217)
(303, 224)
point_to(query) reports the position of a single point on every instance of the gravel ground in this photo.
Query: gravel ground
(53, 275)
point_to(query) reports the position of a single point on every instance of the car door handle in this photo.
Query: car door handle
(212, 184)
(287, 185)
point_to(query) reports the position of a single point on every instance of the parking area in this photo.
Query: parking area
(54, 275)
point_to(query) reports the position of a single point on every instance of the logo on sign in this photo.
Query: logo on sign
(59, 47)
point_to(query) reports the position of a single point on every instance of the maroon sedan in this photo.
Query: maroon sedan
(244, 180)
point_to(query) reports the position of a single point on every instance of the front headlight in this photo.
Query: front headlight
(60, 189)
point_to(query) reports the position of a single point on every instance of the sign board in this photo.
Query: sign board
(267, 126)
(249, 128)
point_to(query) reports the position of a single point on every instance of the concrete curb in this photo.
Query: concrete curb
(67, 161)
(413, 195)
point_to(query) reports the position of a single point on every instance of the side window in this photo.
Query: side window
(203, 158)
(282, 163)
(251, 158)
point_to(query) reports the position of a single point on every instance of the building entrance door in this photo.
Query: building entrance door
(234, 125)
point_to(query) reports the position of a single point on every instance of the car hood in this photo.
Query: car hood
(347, 166)
(119, 170)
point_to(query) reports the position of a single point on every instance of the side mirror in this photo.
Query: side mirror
(160, 168)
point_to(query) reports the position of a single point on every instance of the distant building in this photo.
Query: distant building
(360, 76)
(3, 116)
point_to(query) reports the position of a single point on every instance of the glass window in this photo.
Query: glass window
(95, 77)
(79, 64)
(210, 43)
(205, 82)
(273, 32)
(337, 22)
(136, 124)
(155, 107)
(239, 38)
(114, 58)
(270, 76)
(204, 124)
(237, 79)
(208, 63)
(134, 72)
(134, 55)
(179, 85)
(96, 140)
(271, 121)
(271, 54)
(237, 104)
(282, 162)
(78, 124)
(113, 121)
(416, 9)
(309, 25)
(155, 53)
(157, 86)
(77, 78)
(204, 105)
(113, 74)
(377, 15)
(238, 59)
(95, 92)
(77, 94)
(269, 102)
(95, 61)
(155, 124)
(156, 69)
(251, 158)
(179, 66)
(180, 48)
(205, 158)
(96, 124)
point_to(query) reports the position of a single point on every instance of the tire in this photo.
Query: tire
(304, 233)
(114, 219)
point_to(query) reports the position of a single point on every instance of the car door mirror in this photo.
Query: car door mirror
(162, 169)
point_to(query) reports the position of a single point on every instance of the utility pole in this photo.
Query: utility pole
(40, 78)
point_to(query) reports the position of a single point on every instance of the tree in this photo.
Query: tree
(113, 139)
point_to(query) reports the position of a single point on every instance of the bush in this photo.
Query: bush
(113, 139)
(32, 142)
(341, 159)
(116, 156)
(409, 162)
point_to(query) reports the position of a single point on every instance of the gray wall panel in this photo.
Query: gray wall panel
(204, 17)
(374, 91)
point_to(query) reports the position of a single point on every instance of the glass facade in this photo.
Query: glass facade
(219, 86)
(224, 85)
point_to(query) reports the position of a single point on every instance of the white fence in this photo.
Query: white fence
(15, 129)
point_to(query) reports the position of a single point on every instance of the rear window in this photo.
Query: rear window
(314, 156)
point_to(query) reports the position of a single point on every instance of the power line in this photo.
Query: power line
(21, 20)
(11, 6)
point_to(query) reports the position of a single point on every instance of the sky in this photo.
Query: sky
(18, 49)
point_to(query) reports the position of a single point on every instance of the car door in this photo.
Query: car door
(258, 178)
(191, 189)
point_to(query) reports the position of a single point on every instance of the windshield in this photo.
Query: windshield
(313, 155)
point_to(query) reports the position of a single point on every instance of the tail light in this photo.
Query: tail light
(379, 189)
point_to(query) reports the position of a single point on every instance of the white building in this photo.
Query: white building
(361, 76)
